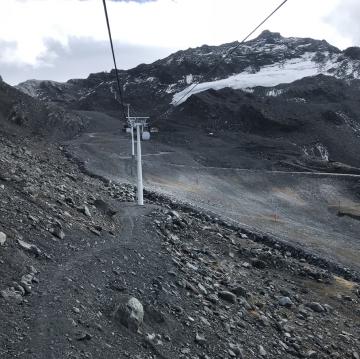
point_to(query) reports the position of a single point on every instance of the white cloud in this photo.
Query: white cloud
(345, 17)
(30, 24)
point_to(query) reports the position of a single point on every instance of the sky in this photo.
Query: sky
(63, 39)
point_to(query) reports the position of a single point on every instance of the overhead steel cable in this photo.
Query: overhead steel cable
(114, 58)
(230, 51)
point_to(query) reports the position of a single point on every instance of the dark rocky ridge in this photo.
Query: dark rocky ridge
(24, 113)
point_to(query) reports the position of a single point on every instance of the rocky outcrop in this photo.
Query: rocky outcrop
(24, 113)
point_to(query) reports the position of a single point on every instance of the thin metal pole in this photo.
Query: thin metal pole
(132, 142)
(132, 131)
(139, 169)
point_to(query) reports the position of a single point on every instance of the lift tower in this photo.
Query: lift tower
(139, 123)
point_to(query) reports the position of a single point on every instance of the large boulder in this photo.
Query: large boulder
(130, 313)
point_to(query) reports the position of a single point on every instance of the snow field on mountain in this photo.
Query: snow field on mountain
(268, 76)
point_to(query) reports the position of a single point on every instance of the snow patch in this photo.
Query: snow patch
(87, 94)
(268, 76)
(114, 92)
(354, 125)
(248, 90)
(318, 150)
(170, 88)
(297, 100)
(274, 93)
(189, 79)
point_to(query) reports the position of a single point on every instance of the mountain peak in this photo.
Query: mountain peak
(267, 34)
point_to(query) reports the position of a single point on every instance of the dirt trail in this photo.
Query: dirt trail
(78, 282)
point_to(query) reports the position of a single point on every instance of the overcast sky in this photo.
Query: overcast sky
(63, 39)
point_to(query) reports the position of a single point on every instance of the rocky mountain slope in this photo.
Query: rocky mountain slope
(25, 113)
(294, 100)
(86, 274)
(310, 123)
(268, 60)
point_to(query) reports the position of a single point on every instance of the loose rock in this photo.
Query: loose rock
(200, 339)
(240, 291)
(285, 302)
(10, 294)
(2, 238)
(316, 307)
(86, 211)
(29, 247)
(228, 296)
(262, 351)
(58, 232)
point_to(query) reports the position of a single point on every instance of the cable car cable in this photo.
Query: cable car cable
(114, 59)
